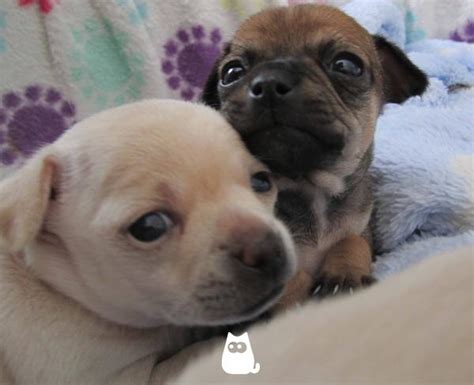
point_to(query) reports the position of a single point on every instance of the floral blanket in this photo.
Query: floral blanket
(63, 60)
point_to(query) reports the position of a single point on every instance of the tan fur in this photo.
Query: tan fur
(312, 27)
(352, 254)
(81, 301)
(30, 196)
(414, 328)
(349, 262)
(296, 291)
(263, 31)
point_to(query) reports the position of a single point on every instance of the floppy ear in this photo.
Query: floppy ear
(24, 199)
(401, 78)
(210, 95)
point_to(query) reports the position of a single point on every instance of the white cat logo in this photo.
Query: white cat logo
(237, 357)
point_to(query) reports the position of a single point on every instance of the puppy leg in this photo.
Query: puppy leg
(347, 266)
(297, 290)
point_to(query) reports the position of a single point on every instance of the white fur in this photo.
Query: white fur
(81, 301)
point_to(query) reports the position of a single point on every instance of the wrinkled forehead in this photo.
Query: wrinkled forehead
(297, 29)
(139, 150)
(174, 167)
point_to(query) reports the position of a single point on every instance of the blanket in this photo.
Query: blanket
(423, 160)
(62, 61)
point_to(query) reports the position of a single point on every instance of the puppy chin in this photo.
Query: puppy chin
(290, 151)
(262, 305)
(219, 315)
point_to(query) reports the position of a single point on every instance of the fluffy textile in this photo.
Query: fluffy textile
(423, 166)
(65, 60)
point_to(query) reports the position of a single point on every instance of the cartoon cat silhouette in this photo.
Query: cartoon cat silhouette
(237, 357)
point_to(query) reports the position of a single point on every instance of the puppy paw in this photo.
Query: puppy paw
(297, 291)
(329, 284)
(346, 268)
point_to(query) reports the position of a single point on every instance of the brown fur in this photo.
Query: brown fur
(327, 202)
(295, 291)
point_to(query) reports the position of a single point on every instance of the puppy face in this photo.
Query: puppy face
(304, 85)
(152, 213)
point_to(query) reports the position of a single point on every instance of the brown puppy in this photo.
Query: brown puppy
(304, 86)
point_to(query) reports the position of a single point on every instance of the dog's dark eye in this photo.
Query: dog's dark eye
(348, 64)
(232, 72)
(261, 182)
(150, 227)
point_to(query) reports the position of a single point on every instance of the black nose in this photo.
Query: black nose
(267, 255)
(272, 84)
(275, 84)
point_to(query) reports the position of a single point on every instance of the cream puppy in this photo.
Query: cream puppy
(135, 226)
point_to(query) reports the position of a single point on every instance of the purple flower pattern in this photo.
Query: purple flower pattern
(189, 57)
(31, 119)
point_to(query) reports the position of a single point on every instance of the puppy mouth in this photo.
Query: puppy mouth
(331, 142)
(294, 151)
(313, 127)
(242, 310)
(263, 303)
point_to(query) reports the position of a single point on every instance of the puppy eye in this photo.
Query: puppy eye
(261, 182)
(347, 64)
(150, 227)
(232, 72)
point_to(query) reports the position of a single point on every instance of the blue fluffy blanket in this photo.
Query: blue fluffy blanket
(423, 167)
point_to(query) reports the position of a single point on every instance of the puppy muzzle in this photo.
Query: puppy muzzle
(288, 134)
(274, 83)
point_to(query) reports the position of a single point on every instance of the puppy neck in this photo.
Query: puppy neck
(330, 183)
(344, 177)
(33, 311)
(326, 182)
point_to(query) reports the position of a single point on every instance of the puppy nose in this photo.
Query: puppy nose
(265, 254)
(272, 85)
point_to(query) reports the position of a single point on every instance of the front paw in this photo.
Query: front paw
(333, 283)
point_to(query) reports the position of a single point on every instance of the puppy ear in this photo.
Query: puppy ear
(24, 199)
(401, 78)
(210, 95)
